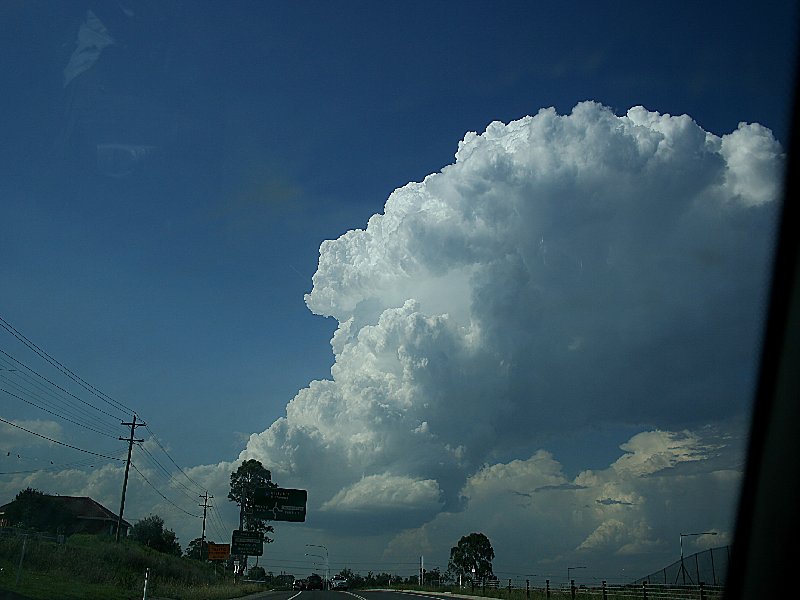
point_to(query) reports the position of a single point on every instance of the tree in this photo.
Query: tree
(197, 549)
(150, 532)
(354, 580)
(250, 475)
(384, 579)
(474, 551)
(32, 509)
(257, 573)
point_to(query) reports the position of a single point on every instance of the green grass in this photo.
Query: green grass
(92, 567)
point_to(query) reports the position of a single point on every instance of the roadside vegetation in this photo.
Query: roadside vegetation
(95, 567)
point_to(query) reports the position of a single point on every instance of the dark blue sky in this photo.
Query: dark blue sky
(175, 282)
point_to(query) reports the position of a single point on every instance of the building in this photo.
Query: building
(85, 515)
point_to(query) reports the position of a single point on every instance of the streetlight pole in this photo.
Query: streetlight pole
(327, 562)
(683, 567)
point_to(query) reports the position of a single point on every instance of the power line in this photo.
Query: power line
(55, 413)
(162, 495)
(217, 518)
(49, 439)
(219, 530)
(40, 376)
(164, 474)
(53, 466)
(54, 400)
(78, 420)
(42, 353)
(98, 394)
(164, 450)
(168, 473)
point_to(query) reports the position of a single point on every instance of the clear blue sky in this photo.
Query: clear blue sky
(174, 281)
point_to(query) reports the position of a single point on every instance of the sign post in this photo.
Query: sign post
(279, 504)
(218, 551)
(247, 543)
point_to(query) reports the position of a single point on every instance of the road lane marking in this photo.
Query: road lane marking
(429, 595)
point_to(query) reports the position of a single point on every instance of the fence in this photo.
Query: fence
(643, 591)
(604, 591)
(13, 532)
(709, 566)
(700, 576)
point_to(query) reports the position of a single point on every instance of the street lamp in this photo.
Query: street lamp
(327, 562)
(572, 569)
(683, 568)
(316, 564)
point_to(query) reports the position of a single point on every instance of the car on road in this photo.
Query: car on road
(299, 584)
(314, 582)
(339, 583)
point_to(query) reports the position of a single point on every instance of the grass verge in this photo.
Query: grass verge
(91, 567)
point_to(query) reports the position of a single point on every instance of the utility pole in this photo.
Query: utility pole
(205, 498)
(133, 425)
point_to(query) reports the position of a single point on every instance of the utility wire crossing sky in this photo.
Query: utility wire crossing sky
(447, 267)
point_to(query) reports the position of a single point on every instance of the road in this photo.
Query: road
(342, 595)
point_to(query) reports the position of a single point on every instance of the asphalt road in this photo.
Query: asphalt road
(349, 595)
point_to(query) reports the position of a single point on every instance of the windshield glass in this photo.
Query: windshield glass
(449, 268)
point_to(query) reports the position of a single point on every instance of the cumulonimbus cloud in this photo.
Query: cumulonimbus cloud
(566, 270)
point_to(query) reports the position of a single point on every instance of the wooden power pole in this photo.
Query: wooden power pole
(205, 505)
(133, 425)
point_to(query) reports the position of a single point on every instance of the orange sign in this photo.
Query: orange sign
(219, 551)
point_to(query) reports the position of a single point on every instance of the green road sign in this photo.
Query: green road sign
(279, 504)
(250, 543)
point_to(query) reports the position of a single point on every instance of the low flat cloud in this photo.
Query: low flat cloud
(380, 491)
(604, 518)
(14, 437)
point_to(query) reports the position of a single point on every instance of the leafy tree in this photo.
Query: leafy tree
(433, 577)
(257, 573)
(198, 549)
(150, 532)
(32, 509)
(447, 578)
(354, 580)
(473, 551)
(383, 579)
(346, 573)
(250, 475)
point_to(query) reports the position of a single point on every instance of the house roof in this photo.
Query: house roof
(81, 507)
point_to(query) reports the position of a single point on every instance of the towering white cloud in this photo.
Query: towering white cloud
(566, 270)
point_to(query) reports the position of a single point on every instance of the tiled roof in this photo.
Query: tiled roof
(82, 507)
